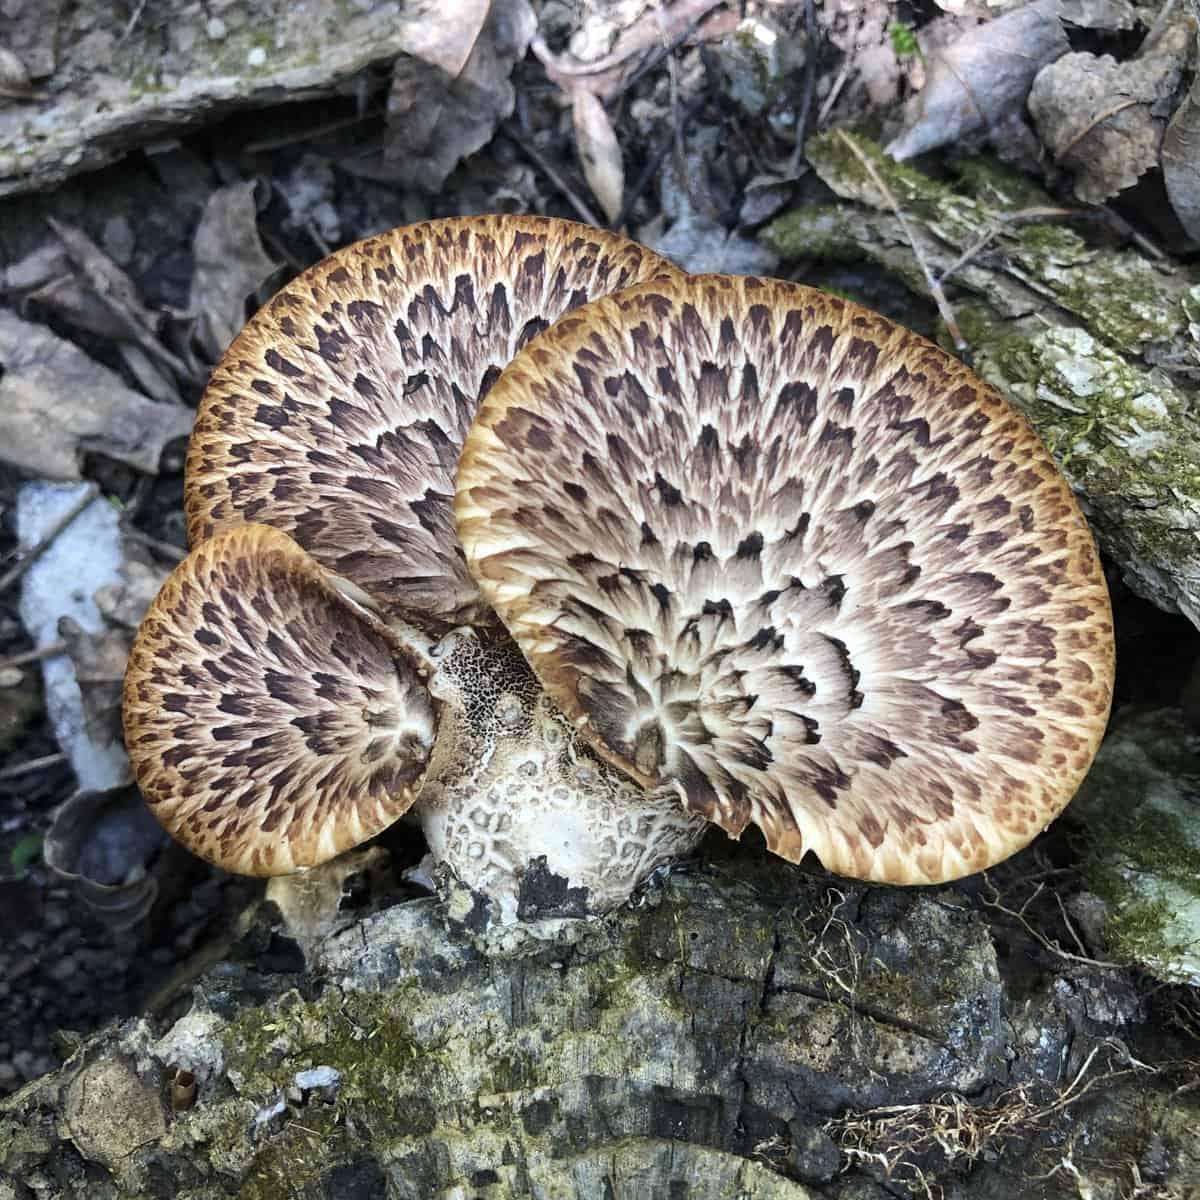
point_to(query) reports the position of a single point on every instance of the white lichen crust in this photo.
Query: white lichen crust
(517, 804)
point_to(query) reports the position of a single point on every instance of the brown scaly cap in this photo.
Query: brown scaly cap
(271, 723)
(763, 543)
(338, 413)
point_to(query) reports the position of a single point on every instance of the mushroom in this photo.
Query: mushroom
(728, 550)
(323, 656)
(763, 546)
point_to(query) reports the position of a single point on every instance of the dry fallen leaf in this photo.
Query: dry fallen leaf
(99, 660)
(1180, 156)
(15, 83)
(230, 264)
(976, 80)
(435, 119)
(1102, 119)
(56, 403)
(447, 39)
(660, 26)
(599, 152)
(30, 29)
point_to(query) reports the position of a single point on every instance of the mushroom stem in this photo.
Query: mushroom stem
(520, 809)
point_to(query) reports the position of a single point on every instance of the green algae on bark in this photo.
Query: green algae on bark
(1138, 812)
(1097, 346)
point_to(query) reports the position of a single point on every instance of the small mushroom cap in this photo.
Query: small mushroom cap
(763, 543)
(338, 414)
(271, 723)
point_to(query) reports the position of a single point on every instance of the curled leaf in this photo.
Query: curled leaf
(1180, 157)
(975, 81)
(1102, 119)
(599, 152)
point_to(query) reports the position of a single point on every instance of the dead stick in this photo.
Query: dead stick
(166, 549)
(31, 555)
(49, 650)
(548, 169)
(935, 289)
(34, 764)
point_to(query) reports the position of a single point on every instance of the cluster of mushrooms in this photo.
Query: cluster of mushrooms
(508, 521)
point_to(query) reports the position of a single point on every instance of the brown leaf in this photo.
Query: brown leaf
(435, 120)
(1103, 119)
(447, 38)
(974, 82)
(1180, 157)
(599, 152)
(99, 660)
(230, 264)
(56, 403)
(14, 78)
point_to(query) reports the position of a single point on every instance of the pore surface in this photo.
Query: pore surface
(338, 414)
(765, 545)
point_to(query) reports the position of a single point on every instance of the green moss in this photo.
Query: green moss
(999, 186)
(817, 231)
(1142, 857)
(389, 1079)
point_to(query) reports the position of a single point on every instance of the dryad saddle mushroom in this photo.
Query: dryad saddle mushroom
(507, 520)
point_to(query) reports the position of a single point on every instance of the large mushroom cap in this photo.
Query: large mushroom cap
(271, 723)
(765, 544)
(338, 413)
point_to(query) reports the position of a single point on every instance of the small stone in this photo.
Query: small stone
(257, 57)
(815, 1157)
(215, 29)
(10, 676)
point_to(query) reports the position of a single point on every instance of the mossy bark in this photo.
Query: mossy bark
(1099, 346)
(693, 1046)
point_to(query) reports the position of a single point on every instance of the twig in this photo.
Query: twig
(49, 650)
(935, 288)
(166, 549)
(133, 20)
(810, 86)
(551, 172)
(1047, 212)
(310, 134)
(993, 902)
(34, 764)
(30, 556)
(835, 91)
(652, 60)
(1096, 120)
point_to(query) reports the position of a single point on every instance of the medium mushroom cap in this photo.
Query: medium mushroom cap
(338, 414)
(271, 722)
(766, 545)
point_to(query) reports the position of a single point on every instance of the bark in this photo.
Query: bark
(734, 1034)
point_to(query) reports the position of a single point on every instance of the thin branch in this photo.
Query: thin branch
(34, 764)
(49, 650)
(810, 86)
(992, 901)
(31, 555)
(166, 549)
(935, 288)
(551, 172)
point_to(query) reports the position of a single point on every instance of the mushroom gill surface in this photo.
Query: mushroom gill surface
(765, 545)
(338, 414)
(271, 722)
